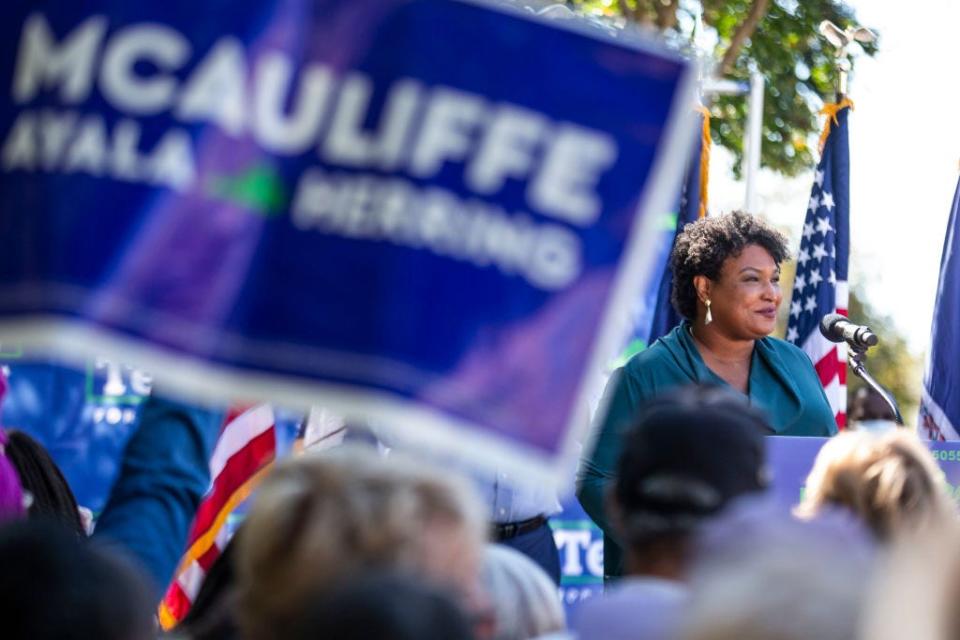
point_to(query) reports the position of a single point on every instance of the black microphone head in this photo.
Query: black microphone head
(829, 329)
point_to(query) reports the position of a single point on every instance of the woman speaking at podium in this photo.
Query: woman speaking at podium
(726, 285)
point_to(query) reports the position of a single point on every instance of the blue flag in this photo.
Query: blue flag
(423, 212)
(652, 314)
(940, 403)
(820, 285)
(665, 317)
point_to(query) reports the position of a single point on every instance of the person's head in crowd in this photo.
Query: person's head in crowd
(868, 410)
(319, 518)
(729, 265)
(49, 494)
(916, 588)
(888, 479)
(56, 586)
(761, 574)
(947, 613)
(383, 606)
(11, 493)
(689, 454)
(523, 597)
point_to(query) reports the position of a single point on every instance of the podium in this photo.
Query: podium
(789, 460)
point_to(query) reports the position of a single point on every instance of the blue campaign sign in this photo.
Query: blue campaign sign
(580, 545)
(428, 212)
(83, 416)
(791, 459)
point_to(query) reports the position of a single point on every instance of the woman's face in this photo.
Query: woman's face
(745, 298)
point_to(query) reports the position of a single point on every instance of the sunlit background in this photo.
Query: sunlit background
(904, 154)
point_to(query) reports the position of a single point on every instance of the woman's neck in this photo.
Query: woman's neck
(720, 347)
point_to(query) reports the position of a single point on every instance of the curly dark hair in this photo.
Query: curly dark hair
(703, 246)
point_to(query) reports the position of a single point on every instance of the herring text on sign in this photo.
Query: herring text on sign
(388, 207)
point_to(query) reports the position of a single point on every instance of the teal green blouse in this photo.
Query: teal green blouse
(782, 383)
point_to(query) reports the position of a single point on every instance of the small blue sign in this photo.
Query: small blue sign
(580, 545)
(83, 416)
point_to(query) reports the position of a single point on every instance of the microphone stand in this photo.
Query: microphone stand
(856, 357)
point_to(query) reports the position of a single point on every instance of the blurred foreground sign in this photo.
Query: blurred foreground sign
(428, 213)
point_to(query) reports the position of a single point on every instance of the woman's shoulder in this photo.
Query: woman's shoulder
(792, 362)
(786, 350)
(660, 359)
(655, 354)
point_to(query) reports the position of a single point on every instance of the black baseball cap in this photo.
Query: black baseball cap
(690, 452)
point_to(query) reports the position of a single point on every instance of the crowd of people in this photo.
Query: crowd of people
(355, 541)
(352, 543)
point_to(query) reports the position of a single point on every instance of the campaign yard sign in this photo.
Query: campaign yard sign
(85, 416)
(82, 416)
(430, 213)
(580, 545)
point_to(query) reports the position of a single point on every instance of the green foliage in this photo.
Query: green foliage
(796, 62)
(890, 362)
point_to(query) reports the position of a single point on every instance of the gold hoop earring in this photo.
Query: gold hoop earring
(708, 318)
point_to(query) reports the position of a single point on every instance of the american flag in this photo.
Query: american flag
(820, 286)
(242, 456)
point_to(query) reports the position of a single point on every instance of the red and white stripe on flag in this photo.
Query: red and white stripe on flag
(244, 451)
(830, 361)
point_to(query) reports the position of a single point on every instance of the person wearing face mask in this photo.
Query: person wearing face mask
(726, 286)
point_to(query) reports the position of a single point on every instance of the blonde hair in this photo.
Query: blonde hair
(322, 516)
(889, 479)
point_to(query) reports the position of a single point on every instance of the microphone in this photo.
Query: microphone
(837, 328)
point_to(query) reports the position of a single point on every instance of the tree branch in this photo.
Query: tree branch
(758, 9)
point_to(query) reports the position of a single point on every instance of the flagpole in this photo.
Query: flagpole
(841, 39)
(754, 137)
(821, 283)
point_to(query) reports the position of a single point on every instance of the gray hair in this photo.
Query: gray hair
(321, 517)
(525, 600)
(781, 595)
(780, 580)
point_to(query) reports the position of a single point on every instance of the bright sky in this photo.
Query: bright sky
(904, 156)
